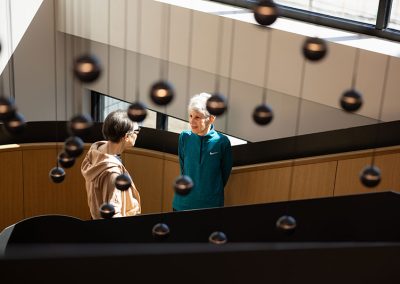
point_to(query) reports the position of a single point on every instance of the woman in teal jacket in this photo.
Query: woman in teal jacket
(205, 156)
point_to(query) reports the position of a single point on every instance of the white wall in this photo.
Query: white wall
(37, 91)
(15, 17)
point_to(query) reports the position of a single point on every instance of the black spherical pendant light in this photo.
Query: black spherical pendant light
(370, 176)
(314, 48)
(162, 92)
(80, 124)
(183, 185)
(123, 182)
(351, 100)
(7, 108)
(137, 112)
(286, 223)
(263, 114)
(218, 238)
(160, 231)
(57, 174)
(107, 211)
(216, 104)
(87, 68)
(65, 160)
(265, 12)
(16, 124)
(73, 146)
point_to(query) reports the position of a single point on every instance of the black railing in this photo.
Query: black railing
(309, 145)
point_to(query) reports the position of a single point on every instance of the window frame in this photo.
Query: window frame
(380, 29)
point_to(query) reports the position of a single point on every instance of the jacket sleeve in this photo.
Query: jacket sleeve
(126, 203)
(226, 161)
(114, 195)
(181, 153)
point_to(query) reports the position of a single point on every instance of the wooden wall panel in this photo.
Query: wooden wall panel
(313, 180)
(252, 187)
(348, 182)
(42, 196)
(26, 189)
(75, 185)
(171, 172)
(11, 188)
(390, 168)
(146, 172)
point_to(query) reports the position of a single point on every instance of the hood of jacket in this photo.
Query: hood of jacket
(97, 162)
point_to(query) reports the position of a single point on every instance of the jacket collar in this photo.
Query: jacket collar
(209, 134)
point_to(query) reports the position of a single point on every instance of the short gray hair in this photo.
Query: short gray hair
(199, 103)
(117, 124)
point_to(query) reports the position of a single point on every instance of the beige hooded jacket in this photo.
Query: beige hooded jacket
(100, 171)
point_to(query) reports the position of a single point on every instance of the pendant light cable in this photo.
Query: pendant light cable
(266, 68)
(138, 47)
(55, 75)
(297, 127)
(379, 121)
(219, 53)
(230, 71)
(189, 60)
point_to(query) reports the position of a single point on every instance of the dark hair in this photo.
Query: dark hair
(116, 125)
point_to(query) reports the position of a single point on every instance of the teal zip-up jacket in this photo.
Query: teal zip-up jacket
(207, 160)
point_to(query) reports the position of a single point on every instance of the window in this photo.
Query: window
(394, 22)
(102, 105)
(379, 18)
(177, 125)
(360, 11)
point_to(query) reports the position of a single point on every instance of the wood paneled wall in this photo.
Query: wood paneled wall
(41, 195)
(153, 174)
(323, 176)
(26, 189)
(11, 187)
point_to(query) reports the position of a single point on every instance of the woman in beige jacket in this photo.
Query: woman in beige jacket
(102, 165)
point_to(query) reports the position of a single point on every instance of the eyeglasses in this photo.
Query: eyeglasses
(135, 131)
